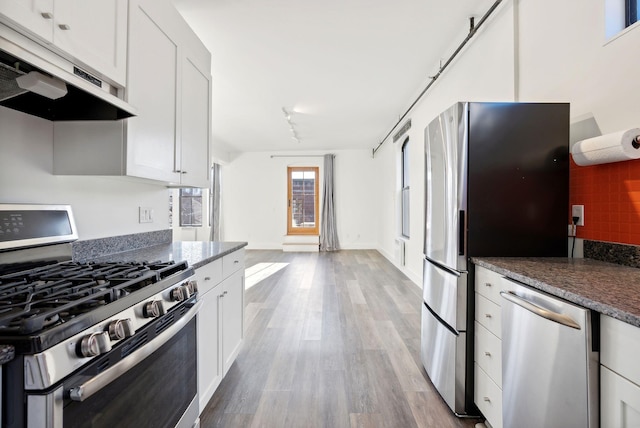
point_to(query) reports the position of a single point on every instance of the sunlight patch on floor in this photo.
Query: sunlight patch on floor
(260, 271)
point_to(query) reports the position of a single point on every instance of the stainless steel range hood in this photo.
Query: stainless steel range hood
(87, 97)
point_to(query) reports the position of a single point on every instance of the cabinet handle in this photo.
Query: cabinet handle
(487, 315)
(64, 27)
(487, 353)
(487, 284)
(47, 15)
(177, 171)
(183, 172)
(487, 399)
(236, 262)
(225, 293)
(207, 278)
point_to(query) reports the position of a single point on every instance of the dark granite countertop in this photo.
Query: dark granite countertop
(608, 288)
(196, 253)
(7, 352)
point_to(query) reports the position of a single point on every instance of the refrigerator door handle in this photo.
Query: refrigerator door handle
(544, 313)
(461, 231)
(442, 267)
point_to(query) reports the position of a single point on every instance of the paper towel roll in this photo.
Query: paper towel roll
(620, 146)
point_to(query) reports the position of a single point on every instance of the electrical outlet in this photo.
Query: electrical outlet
(578, 211)
(145, 215)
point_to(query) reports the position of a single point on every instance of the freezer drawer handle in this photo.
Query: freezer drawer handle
(544, 313)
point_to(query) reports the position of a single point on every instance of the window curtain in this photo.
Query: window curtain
(328, 229)
(214, 199)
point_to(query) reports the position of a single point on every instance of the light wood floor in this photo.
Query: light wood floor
(332, 340)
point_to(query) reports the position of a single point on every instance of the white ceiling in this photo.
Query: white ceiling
(348, 69)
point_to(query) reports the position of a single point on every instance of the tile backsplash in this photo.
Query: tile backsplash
(610, 194)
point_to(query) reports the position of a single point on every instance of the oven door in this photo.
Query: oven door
(154, 385)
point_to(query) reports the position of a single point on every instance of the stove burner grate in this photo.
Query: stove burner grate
(35, 300)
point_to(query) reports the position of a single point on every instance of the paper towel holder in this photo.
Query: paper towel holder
(615, 147)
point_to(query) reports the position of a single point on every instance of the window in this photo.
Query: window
(631, 12)
(405, 188)
(619, 15)
(191, 207)
(302, 209)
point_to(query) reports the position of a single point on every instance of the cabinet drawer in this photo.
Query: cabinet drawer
(489, 315)
(232, 262)
(619, 347)
(209, 275)
(488, 353)
(488, 398)
(489, 284)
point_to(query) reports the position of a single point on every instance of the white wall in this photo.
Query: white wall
(570, 59)
(254, 197)
(531, 50)
(102, 206)
(484, 71)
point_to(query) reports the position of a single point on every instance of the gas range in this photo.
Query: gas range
(81, 329)
(68, 313)
(42, 306)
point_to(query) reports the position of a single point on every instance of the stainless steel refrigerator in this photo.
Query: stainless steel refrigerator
(497, 184)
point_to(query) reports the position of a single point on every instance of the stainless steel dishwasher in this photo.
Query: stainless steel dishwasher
(549, 362)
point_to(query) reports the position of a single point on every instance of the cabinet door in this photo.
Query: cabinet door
(209, 364)
(94, 32)
(31, 16)
(232, 318)
(195, 125)
(620, 401)
(151, 88)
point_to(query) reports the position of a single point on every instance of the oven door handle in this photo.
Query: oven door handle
(95, 384)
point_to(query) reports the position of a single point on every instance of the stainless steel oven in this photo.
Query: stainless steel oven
(96, 344)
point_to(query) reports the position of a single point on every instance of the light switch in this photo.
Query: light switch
(145, 215)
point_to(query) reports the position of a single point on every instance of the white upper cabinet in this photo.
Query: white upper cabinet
(195, 115)
(32, 16)
(152, 89)
(95, 33)
(169, 84)
(91, 33)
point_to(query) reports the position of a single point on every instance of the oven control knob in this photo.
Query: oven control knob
(153, 309)
(180, 293)
(94, 344)
(193, 286)
(120, 329)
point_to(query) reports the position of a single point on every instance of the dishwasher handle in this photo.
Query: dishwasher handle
(544, 313)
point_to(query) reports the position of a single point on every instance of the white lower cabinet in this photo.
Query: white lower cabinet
(209, 367)
(619, 401)
(232, 318)
(619, 350)
(619, 375)
(220, 321)
(488, 397)
(487, 392)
